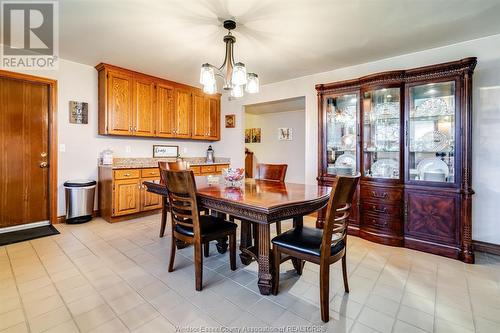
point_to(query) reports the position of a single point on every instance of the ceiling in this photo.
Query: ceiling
(282, 105)
(277, 39)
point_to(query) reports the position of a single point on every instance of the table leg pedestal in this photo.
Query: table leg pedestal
(264, 259)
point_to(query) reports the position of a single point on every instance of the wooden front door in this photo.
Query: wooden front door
(24, 151)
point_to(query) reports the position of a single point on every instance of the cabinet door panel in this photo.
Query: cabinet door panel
(183, 113)
(213, 118)
(126, 197)
(144, 115)
(149, 201)
(199, 116)
(432, 217)
(119, 104)
(165, 111)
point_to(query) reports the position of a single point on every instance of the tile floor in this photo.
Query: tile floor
(100, 277)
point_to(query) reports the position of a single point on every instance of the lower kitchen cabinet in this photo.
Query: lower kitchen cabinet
(123, 196)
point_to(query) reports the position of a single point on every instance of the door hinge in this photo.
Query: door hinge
(406, 210)
(113, 187)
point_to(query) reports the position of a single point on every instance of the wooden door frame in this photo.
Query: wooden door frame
(52, 144)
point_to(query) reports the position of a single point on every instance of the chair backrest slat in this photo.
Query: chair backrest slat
(181, 188)
(338, 212)
(274, 172)
(177, 165)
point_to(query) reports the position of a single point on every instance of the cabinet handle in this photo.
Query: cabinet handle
(152, 173)
(126, 175)
(130, 129)
(135, 128)
(379, 210)
(379, 196)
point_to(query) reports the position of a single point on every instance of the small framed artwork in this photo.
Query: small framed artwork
(256, 135)
(163, 151)
(248, 135)
(285, 134)
(230, 120)
(78, 112)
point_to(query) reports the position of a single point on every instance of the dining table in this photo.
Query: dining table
(257, 204)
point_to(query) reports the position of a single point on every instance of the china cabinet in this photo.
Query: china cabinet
(408, 133)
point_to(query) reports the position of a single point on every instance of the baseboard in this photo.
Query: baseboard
(486, 247)
(62, 218)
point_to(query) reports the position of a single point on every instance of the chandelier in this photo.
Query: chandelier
(235, 76)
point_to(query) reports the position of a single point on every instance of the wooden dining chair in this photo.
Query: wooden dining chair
(191, 227)
(272, 172)
(323, 247)
(177, 165)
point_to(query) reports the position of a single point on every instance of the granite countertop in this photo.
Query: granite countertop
(138, 163)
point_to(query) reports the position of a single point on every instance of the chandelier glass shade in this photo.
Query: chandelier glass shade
(235, 78)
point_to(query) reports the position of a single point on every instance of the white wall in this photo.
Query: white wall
(486, 144)
(272, 150)
(77, 82)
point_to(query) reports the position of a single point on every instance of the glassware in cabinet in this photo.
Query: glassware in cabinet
(381, 133)
(431, 132)
(341, 133)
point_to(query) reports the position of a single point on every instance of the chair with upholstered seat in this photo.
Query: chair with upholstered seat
(189, 226)
(323, 247)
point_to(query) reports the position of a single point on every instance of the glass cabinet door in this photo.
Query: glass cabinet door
(381, 133)
(431, 132)
(341, 114)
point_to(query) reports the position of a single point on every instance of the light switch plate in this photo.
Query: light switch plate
(128, 149)
(62, 147)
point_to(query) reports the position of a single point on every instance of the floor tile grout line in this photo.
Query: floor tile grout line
(86, 278)
(18, 293)
(55, 286)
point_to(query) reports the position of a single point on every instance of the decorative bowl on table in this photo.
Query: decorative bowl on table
(233, 176)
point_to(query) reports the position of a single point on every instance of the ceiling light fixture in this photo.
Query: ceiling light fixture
(235, 75)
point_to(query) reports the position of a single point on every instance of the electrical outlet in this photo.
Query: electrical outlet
(184, 150)
(62, 147)
(128, 149)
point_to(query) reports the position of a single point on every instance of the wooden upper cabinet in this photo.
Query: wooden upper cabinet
(144, 110)
(132, 103)
(199, 116)
(183, 112)
(119, 104)
(206, 115)
(165, 111)
(213, 118)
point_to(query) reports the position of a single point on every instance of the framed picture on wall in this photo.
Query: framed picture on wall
(248, 135)
(285, 134)
(256, 135)
(230, 120)
(163, 151)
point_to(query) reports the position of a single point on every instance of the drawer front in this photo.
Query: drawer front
(380, 193)
(379, 208)
(127, 174)
(150, 172)
(386, 224)
(221, 166)
(195, 169)
(208, 169)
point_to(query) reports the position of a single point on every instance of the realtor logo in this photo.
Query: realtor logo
(29, 35)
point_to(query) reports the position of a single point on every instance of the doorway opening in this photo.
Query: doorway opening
(275, 134)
